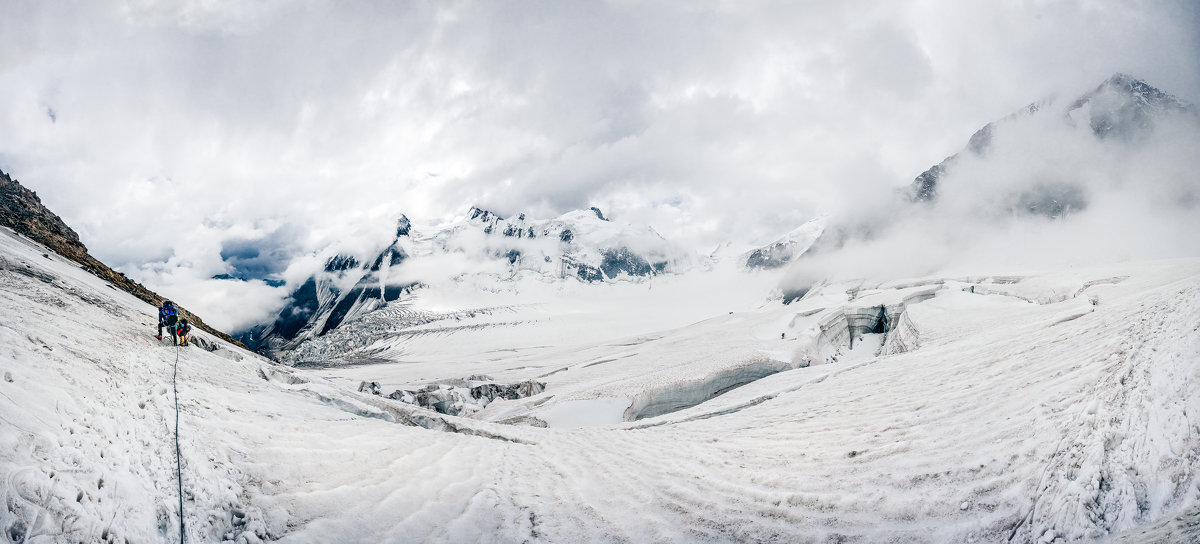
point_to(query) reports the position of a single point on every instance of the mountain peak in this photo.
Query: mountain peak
(402, 226)
(1124, 107)
(1123, 79)
(1121, 107)
(482, 215)
(1134, 88)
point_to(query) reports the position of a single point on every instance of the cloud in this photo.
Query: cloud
(1047, 192)
(260, 257)
(179, 129)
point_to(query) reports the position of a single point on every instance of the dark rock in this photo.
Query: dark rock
(492, 391)
(393, 292)
(343, 307)
(402, 226)
(400, 394)
(599, 214)
(529, 389)
(623, 259)
(299, 311)
(482, 215)
(487, 391)
(398, 256)
(794, 294)
(772, 256)
(393, 255)
(339, 263)
(589, 273)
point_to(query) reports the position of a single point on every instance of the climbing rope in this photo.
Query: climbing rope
(178, 463)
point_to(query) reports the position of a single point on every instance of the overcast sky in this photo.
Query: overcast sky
(174, 135)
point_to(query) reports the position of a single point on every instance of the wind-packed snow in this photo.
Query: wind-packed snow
(1055, 407)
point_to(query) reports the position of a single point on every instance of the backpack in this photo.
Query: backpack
(168, 315)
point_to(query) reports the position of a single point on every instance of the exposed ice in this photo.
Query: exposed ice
(586, 413)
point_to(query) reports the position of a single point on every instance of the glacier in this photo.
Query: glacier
(1052, 406)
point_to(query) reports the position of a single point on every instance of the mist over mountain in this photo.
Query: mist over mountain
(569, 272)
(996, 352)
(482, 250)
(1110, 175)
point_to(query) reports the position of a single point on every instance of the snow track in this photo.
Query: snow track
(1008, 424)
(1133, 438)
(178, 455)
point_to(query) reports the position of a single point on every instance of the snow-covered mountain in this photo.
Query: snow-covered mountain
(1027, 164)
(1122, 108)
(1125, 146)
(583, 244)
(574, 379)
(1050, 407)
(482, 249)
(789, 246)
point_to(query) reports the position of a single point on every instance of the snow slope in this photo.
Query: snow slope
(1051, 407)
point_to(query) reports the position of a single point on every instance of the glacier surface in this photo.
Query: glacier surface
(1050, 407)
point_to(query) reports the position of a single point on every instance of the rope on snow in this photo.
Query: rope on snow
(178, 462)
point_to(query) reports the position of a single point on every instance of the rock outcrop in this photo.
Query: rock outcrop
(458, 397)
(22, 211)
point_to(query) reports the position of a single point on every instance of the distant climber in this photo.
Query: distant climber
(184, 331)
(167, 317)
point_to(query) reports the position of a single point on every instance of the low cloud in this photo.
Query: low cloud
(262, 257)
(180, 129)
(1047, 193)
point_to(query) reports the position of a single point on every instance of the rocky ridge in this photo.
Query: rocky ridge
(22, 211)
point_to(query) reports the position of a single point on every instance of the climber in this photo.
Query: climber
(183, 332)
(167, 315)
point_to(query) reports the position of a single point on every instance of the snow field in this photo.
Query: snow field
(967, 420)
(1009, 422)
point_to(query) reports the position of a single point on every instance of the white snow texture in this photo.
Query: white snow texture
(1054, 407)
